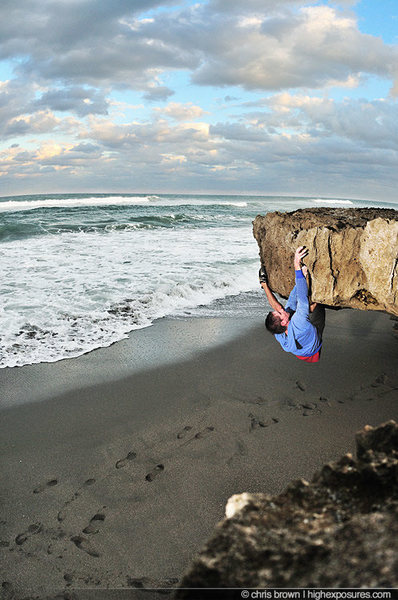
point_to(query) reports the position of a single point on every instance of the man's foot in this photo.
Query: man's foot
(262, 275)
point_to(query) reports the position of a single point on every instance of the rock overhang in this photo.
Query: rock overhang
(352, 259)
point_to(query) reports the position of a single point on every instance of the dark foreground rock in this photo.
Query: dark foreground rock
(340, 530)
(353, 254)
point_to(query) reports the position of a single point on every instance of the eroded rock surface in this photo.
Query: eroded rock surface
(353, 254)
(340, 530)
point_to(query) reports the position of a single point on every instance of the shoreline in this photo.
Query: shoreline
(138, 352)
(117, 484)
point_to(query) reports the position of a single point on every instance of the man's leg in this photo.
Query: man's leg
(317, 311)
(317, 318)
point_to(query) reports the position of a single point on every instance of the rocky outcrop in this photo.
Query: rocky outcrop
(340, 530)
(352, 260)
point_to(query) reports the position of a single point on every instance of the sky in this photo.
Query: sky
(273, 97)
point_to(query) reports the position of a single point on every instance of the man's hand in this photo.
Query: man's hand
(284, 316)
(300, 253)
(262, 276)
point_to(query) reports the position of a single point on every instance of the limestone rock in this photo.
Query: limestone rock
(352, 260)
(340, 530)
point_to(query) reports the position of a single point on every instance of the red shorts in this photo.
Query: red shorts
(311, 359)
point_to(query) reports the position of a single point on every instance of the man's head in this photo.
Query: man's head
(277, 321)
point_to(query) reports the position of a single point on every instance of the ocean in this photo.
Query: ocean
(81, 271)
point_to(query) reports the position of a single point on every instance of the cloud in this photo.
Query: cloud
(21, 113)
(371, 123)
(70, 56)
(260, 6)
(315, 47)
(240, 132)
(157, 93)
(63, 23)
(257, 45)
(86, 148)
(40, 122)
(266, 6)
(88, 42)
(296, 140)
(181, 112)
(14, 98)
(79, 100)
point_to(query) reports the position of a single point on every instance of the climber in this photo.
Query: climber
(299, 326)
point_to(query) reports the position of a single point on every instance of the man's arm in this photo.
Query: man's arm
(275, 305)
(301, 283)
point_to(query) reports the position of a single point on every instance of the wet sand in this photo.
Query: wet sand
(116, 466)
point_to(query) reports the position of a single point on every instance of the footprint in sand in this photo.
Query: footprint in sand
(41, 488)
(204, 433)
(92, 527)
(32, 530)
(310, 409)
(21, 539)
(324, 400)
(154, 473)
(88, 482)
(256, 422)
(146, 583)
(83, 544)
(381, 379)
(301, 386)
(384, 385)
(380, 387)
(7, 590)
(61, 516)
(123, 461)
(139, 583)
(199, 435)
(181, 434)
(171, 581)
(290, 404)
(62, 513)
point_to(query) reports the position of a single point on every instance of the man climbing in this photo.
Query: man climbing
(299, 326)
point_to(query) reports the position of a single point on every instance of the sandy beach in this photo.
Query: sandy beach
(116, 466)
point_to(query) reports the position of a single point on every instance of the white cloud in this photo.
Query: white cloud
(314, 48)
(40, 122)
(295, 134)
(70, 62)
(372, 123)
(77, 99)
(181, 112)
(253, 44)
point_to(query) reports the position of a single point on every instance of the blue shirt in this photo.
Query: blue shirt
(302, 338)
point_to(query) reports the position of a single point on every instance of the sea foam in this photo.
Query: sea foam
(332, 201)
(74, 292)
(81, 271)
(17, 205)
